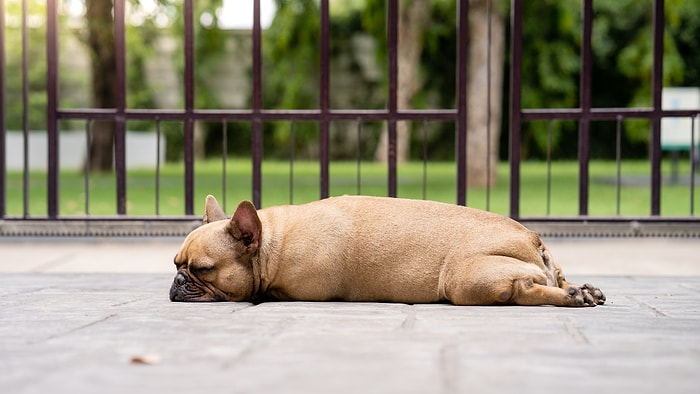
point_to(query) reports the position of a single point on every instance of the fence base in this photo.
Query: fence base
(98, 228)
(159, 227)
(628, 228)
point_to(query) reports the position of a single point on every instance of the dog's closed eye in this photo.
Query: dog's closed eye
(199, 271)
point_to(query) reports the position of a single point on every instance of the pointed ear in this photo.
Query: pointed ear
(212, 211)
(245, 226)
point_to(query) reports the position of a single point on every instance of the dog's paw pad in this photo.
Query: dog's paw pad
(586, 295)
(596, 294)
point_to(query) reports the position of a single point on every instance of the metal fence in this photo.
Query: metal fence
(124, 224)
(586, 114)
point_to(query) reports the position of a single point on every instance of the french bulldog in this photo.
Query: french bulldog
(373, 249)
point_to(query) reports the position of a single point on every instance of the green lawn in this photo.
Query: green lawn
(440, 185)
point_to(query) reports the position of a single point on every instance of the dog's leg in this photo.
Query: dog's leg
(590, 294)
(527, 292)
(488, 280)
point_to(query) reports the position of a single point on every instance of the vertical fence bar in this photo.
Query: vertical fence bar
(488, 105)
(3, 166)
(657, 85)
(358, 180)
(618, 164)
(52, 106)
(158, 166)
(324, 86)
(86, 170)
(224, 159)
(120, 130)
(692, 164)
(425, 159)
(25, 111)
(188, 130)
(549, 167)
(257, 161)
(393, 43)
(515, 104)
(256, 140)
(292, 143)
(462, 61)
(585, 104)
(189, 107)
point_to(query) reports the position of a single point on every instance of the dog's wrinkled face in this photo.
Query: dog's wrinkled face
(214, 262)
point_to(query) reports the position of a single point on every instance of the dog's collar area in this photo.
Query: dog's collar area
(258, 294)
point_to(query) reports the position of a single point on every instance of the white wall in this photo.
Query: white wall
(140, 150)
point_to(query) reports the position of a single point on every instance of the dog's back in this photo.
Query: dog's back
(372, 248)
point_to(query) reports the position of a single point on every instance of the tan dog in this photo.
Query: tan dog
(357, 248)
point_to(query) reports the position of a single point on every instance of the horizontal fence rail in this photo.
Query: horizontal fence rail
(126, 224)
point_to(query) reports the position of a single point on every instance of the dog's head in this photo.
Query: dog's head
(214, 262)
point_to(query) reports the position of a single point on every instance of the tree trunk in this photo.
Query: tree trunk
(100, 26)
(414, 17)
(199, 140)
(483, 123)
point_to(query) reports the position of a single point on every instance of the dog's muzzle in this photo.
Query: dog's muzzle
(184, 289)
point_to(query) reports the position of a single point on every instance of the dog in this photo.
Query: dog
(370, 249)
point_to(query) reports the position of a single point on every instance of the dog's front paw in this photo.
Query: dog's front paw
(586, 295)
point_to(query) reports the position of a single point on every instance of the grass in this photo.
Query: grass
(440, 185)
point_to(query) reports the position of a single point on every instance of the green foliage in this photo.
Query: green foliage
(622, 66)
(550, 67)
(291, 70)
(208, 39)
(36, 65)
(139, 42)
(622, 45)
(623, 48)
(294, 37)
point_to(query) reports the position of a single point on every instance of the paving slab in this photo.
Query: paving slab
(93, 315)
(116, 333)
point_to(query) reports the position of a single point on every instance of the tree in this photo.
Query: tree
(290, 49)
(100, 40)
(550, 69)
(484, 58)
(484, 90)
(622, 66)
(36, 67)
(414, 18)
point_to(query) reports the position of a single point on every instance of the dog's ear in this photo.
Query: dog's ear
(245, 226)
(213, 211)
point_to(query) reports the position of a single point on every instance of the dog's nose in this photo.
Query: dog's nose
(175, 293)
(180, 279)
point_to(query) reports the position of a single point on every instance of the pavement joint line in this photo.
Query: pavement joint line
(260, 343)
(27, 291)
(72, 330)
(449, 363)
(237, 309)
(410, 320)
(53, 263)
(689, 287)
(573, 331)
(654, 311)
(129, 302)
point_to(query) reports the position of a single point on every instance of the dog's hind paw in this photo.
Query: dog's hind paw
(586, 295)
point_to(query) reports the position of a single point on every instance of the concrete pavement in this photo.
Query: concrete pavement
(93, 316)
